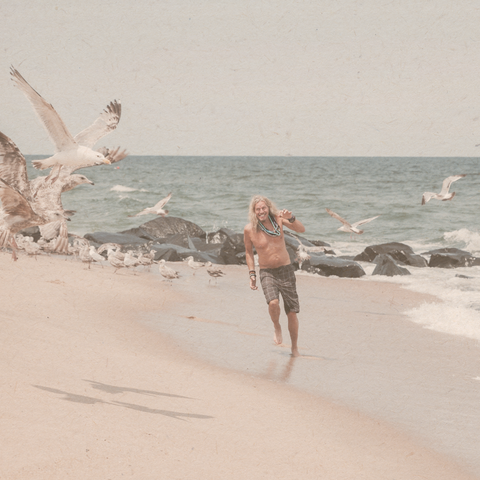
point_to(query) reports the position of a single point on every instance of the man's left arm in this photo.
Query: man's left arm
(290, 221)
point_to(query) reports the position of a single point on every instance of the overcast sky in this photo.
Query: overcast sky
(301, 78)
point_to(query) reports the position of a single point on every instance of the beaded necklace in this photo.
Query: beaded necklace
(276, 228)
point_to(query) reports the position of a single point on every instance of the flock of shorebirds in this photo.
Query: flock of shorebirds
(27, 203)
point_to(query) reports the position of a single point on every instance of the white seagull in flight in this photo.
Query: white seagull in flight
(347, 227)
(157, 209)
(69, 151)
(443, 195)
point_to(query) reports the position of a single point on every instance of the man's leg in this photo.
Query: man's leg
(274, 311)
(293, 329)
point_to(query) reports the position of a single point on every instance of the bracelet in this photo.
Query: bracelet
(292, 218)
(253, 275)
(251, 271)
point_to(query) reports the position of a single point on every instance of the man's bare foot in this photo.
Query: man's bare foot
(277, 336)
(295, 352)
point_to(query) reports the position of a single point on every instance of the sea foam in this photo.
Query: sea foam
(121, 188)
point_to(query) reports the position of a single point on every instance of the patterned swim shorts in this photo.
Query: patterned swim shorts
(281, 280)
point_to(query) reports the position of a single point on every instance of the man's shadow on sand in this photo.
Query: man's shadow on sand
(72, 397)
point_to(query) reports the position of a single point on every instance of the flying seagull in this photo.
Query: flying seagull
(157, 209)
(69, 151)
(443, 195)
(347, 227)
(50, 193)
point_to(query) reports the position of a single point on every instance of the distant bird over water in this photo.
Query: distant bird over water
(347, 227)
(69, 151)
(157, 209)
(444, 195)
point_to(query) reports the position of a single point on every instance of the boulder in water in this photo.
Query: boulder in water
(326, 265)
(163, 227)
(398, 251)
(386, 265)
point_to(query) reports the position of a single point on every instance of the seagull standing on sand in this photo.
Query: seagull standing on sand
(347, 227)
(193, 264)
(443, 195)
(69, 151)
(214, 272)
(157, 209)
(114, 261)
(95, 256)
(167, 272)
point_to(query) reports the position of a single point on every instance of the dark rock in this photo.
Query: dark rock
(232, 247)
(220, 235)
(453, 259)
(139, 232)
(398, 251)
(462, 276)
(124, 239)
(202, 246)
(386, 266)
(295, 241)
(167, 253)
(447, 250)
(327, 266)
(320, 243)
(203, 257)
(163, 227)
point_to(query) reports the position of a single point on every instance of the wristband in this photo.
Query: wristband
(292, 219)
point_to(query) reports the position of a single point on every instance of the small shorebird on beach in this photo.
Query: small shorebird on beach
(156, 209)
(69, 151)
(214, 272)
(444, 195)
(167, 272)
(114, 260)
(193, 264)
(96, 257)
(349, 227)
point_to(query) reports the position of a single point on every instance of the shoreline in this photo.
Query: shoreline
(90, 390)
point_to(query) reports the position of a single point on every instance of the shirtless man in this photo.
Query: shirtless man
(265, 233)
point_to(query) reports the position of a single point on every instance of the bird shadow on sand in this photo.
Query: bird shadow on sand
(116, 389)
(72, 397)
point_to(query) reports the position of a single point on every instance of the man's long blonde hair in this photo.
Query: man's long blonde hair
(272, 209)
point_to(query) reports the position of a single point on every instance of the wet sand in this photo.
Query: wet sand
(91, 387)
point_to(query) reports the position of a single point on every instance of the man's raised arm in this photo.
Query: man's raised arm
(289, 221)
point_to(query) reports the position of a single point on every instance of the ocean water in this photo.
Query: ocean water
(214, 192)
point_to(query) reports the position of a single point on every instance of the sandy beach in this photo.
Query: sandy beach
(92, 389)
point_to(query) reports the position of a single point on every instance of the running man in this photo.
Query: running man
(277, 274)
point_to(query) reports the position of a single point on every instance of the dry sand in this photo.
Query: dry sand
(89, 391)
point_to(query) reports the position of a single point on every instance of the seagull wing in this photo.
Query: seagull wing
(52, 122)
(14, 204)
(338, 217)
(162, 202)
(361, 222)
(114, 155)
(104, 124)
(13, 168)
(448, 181)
